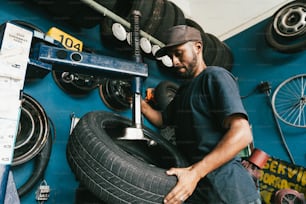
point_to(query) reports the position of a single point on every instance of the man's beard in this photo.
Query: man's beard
(189, 69)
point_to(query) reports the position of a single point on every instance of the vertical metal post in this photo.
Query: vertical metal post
(137, 81)
(136, 132)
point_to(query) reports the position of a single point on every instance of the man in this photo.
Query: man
(210, 122)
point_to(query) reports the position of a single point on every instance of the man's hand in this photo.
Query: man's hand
(188, 179)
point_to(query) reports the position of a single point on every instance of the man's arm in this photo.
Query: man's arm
(154, 116)
(237, 138)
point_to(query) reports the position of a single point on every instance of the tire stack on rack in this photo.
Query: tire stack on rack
(286, 30)
(75, 12)
(157, 16)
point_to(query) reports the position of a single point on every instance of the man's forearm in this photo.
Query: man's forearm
(237, 138)
(154, 116)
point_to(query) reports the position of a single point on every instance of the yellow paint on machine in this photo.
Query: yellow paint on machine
(67, 40)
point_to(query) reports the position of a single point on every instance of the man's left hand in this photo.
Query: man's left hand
(187, 182)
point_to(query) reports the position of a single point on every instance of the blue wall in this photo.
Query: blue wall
(254, 62)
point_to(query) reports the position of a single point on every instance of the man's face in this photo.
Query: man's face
(184, 59)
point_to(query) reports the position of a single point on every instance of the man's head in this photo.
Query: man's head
(178, 35)
(184, 47)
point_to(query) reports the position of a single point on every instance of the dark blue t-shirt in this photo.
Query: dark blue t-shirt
(198, 112)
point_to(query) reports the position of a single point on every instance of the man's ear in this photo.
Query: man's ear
(198, 46)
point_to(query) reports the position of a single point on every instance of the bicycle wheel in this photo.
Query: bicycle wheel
(289, 101)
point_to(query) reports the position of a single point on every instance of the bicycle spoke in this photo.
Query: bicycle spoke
(289, 101)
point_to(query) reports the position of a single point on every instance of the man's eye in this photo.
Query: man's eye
(178, 54)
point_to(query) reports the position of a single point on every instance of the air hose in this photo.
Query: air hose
(41, 162)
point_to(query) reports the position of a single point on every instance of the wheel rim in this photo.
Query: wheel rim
(32, 133)
(116, 94)
(291, 21)
(289, 101)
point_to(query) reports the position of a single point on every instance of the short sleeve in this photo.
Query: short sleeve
(224, 95)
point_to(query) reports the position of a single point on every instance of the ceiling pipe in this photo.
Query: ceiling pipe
(106, 12)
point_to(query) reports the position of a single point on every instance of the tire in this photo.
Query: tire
(167, 20)
(40, 165)
(228, 60)
(111, 173)
(289, 21)
(145, 7)
(86, 17)
(77, 88)
(109, 4)
(109, 41)
(223, 56)
(282, 45)
(286, 30)
(156, 17)
(116, 94)
(164, 93)
(33, 131)
(179, 15)
(208, 44)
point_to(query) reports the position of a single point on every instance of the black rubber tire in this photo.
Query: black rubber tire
(164, 93)
(60, 8)
(156, 17)
(208, 44)
(228, 60)
(116, 94)
(109, 4)
(41, 163)
(29, 144)
(223, 56)
(76, 12)
(109, 172)
(210, 51)
(145, 7)
(123, 8)
(281, 45)
(281, 16)
(110, 41)
(167, 20)
(179, 15)
(86, 17)
(72, 88)
(26, 25)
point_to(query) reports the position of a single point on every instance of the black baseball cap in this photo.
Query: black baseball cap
(178, 35)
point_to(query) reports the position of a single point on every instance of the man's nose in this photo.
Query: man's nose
(175, 60)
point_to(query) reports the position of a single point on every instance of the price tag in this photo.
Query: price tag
(65, 39)
(15, 49)
(7, 140)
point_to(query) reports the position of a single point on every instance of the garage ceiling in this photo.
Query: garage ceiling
(225, 18)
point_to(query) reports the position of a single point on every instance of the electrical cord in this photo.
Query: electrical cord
(249, 94)
(261, 88)
(266, 88)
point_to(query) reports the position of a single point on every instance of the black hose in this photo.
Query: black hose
(41, 162)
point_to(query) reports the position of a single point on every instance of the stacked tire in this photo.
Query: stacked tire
(156, 17)
(286, 30)
(75, 12)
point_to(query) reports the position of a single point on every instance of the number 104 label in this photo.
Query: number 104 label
(65, 39)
